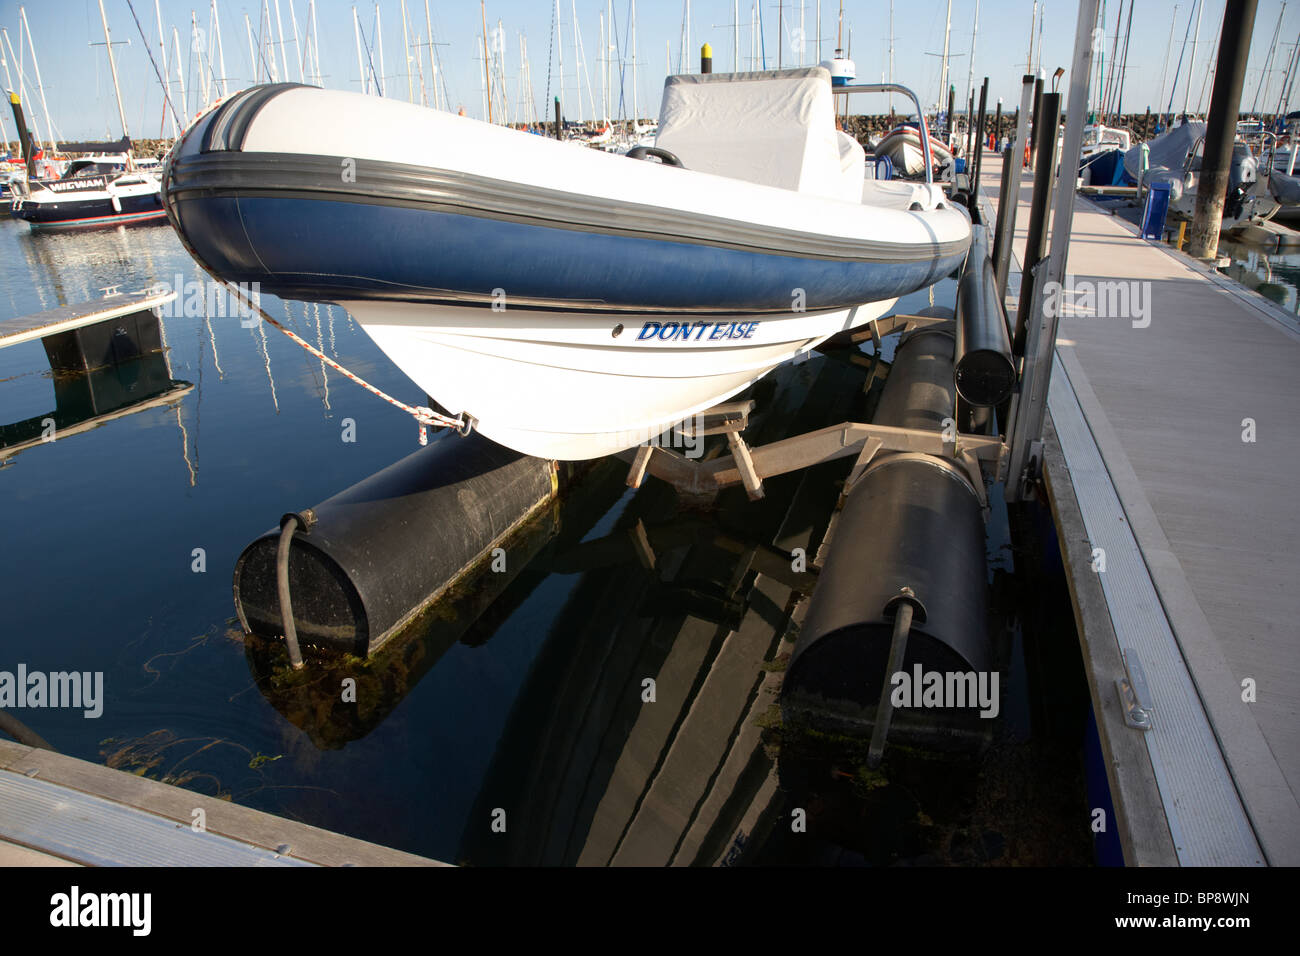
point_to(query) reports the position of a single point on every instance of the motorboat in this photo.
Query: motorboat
(94, 190)
(571, 303)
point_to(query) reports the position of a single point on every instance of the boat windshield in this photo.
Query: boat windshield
(87, 167)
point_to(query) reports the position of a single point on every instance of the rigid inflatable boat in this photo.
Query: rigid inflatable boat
(905, 150)
(573, 302)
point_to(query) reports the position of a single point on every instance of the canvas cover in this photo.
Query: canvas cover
(1168, 153)
(773, 127)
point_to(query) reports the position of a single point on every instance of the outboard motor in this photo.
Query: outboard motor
(1242, 175)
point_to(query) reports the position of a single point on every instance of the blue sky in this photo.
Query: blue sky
(78, 88)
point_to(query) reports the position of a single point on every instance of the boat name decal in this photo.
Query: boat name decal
(72, 185)
(695, 331)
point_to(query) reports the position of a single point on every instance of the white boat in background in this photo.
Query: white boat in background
(903, 147)
(94, 190)
(574, 303)
(1099, 138)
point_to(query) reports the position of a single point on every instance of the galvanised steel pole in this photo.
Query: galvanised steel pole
(1221, 127)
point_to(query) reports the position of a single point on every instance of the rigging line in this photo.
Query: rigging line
(424, 416)
(1181, 53)
(370, 58)
(149, 49)
(550, 49)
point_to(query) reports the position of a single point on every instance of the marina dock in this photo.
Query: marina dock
(60, 811)
(1169, 458)
(68, 318)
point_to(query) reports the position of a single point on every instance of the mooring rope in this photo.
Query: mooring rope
(425, 417)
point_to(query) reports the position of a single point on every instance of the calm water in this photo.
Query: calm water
(471, 711)
(1274, 275)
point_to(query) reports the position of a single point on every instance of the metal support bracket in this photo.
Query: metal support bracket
(745, 465)
(636, 474)
(869, 449)
(1134, 694)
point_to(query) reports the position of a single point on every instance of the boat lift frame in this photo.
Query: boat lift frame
(751, 466)
(1014, 457)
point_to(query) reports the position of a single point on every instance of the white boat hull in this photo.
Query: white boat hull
(597, 393)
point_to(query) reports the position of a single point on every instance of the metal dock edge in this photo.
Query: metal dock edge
(56, 809)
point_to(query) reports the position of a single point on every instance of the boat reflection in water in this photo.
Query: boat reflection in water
(85, 400)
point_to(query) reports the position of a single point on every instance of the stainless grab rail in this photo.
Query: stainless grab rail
(920, 113)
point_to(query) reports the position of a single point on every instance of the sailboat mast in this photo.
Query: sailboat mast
(1196, 40)
(487, 68)
(1029, 60)
(1123, 65)
(943, 76)
(315, 45)
(1164, 71)
(361, 64)
(636, 113)
(970, 71)
(433, 64)
(284, 57)
(406, 52)
(221, 50)
(112, 66)
(162, 53)
(293, 25)
(735, 36)
(559, 37)
(40, 87)
(1254, 107)
(379, 45)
